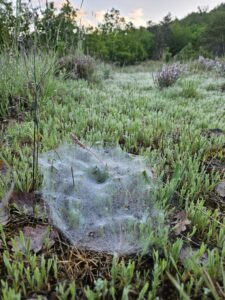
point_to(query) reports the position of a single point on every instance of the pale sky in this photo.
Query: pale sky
(137, 11)
(141, 11)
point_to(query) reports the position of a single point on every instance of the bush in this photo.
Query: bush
(78, 66)
(168, 75)
(222, 68)
(216, 64)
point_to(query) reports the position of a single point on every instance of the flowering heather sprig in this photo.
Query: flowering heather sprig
(212, 64)
(206, 62)
(168, 75)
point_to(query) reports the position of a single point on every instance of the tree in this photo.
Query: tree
(95, 45)
(183, 35)
(47, 25)
(133, 46)
(162, 35)
(113, 21)
(214, 36)
(58, 30)
(7, 21)
(67, 25)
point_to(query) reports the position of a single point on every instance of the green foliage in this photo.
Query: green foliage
(180, 36)
(126, 46)
(213, 37)
(202, 29)
(9, 293)
(66, 291)
(26, 272)
(130, 46)
(6, 23)
(184, 36)
(58, 30)
(113, 22)
(189, 52)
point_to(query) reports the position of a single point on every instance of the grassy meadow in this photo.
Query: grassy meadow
(180, 131)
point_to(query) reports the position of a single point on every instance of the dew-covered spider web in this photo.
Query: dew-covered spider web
(101, 200)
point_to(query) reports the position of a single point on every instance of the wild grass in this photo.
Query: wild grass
(189, 90)
(166, 126)
(17, 81)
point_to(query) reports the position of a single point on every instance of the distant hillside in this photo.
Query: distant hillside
(202, 17)
(199, 33)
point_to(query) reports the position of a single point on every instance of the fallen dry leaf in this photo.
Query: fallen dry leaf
(37, 297)
(181, 222)
(23, 201)
(213, 132)
(215, 165)
(38, 236)
(3, 167)
(4, 215)
(221, 189)
(26, 204)
(188, 252)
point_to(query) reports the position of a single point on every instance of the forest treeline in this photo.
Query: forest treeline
(114, 39)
